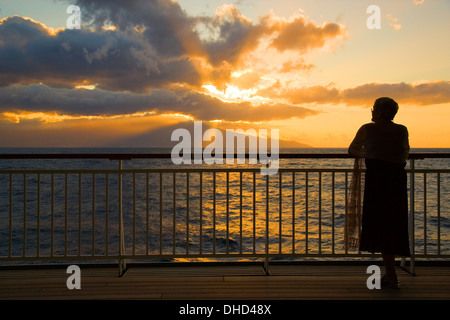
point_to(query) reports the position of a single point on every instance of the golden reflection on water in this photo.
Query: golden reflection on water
(227, 213)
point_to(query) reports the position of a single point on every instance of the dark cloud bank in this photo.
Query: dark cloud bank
(156, 60)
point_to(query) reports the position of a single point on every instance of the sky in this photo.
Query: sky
(137, 70)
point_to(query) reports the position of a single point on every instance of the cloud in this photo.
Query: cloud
(138, 45)
(100, 103)
(140, 56)
(37, 97)
(235, 36)
(83, 102)
(301, 35)
(29, 53)
(208, 108)
(247, 80)
(162, 24)
(425, 93)
(290, 65)
(149, 56)
(393, 22)
(303, 95)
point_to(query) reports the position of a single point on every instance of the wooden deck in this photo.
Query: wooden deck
(222, 282)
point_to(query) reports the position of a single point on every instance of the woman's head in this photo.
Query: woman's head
(384, 109)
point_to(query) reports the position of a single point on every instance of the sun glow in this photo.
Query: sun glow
(55, 117)
(177, 115)
(234, 94)
(87, 87)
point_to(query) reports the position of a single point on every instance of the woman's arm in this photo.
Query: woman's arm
(406, 147)
(357, 146)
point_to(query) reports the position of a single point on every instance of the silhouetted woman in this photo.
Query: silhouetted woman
(385, 147)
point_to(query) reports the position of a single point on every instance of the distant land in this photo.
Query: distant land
(161, 138)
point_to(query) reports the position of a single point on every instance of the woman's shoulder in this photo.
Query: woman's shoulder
(401, 127)
(374, 125)
(367, 126)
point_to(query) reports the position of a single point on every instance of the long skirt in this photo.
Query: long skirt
(385, 209)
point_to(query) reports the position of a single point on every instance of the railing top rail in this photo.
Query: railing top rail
(130, 156)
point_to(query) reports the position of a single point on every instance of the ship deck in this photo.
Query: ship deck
(222, 282)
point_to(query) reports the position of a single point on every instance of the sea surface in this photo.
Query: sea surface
(176, 214)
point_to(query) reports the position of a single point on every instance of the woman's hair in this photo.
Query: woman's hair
(387, 107)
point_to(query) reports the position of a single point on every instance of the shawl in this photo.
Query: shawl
(353, 214)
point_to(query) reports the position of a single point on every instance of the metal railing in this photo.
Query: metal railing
(200, 212)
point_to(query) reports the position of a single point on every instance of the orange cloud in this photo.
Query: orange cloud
(393, 22)
(424, 93)
(315, 94)
(295, 66)
(49, 104)
(17, 117)
(68, 131)
(154, 44)
(301, 35)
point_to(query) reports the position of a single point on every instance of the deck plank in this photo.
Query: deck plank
(286, 282)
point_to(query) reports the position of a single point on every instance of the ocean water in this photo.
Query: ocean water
(183, 215)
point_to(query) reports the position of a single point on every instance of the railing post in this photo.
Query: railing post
(122, 262)
(411, 218)
(266, 259)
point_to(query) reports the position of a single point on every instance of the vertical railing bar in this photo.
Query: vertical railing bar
(240, 212)
(160, 212)
(280, 196)
(66, 207)
(93, 215)
(122, 262)
(266, 263)
(254, 212)
(360, 205)
(79, 214)
(24, 213)
(10, 214)
(320, 212)
(147, 242)
(107, 214)
(293, 212)
(53, 214)
(174, 215)
(306, 210)
(201, 212)
(214, 212)
(425, 213)
(134, 213)
(38, 214)
(187, 212)
(438, 213)
(411, 216)
(332, 211)
(228, 214)
(346, 212)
